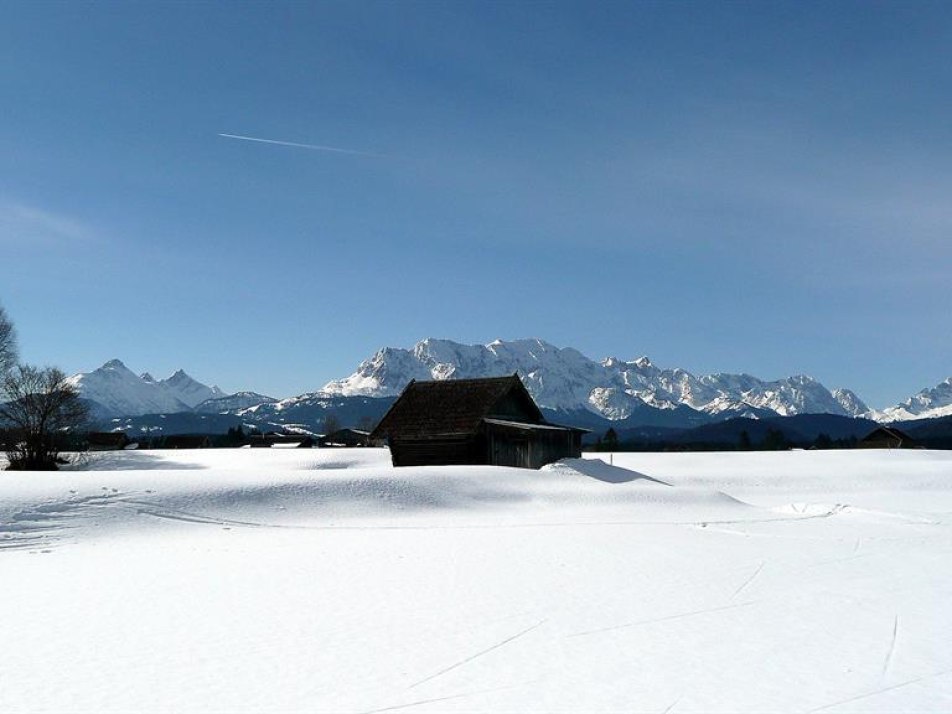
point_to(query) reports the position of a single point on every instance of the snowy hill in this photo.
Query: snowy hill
(120, 391)
(927, 404)
(326, 580)
(564, 379)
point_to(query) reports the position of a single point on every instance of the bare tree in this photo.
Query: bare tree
(331, 423)
(8, 343)
(366, 423)
(39, 411)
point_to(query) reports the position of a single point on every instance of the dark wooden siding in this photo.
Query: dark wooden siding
(449, 449)
(509, 450)
(513, 406)
(530, 449)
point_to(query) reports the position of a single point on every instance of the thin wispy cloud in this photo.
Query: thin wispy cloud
(296, 145)
(21, 223)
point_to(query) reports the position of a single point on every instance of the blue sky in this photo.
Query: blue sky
(758, 187)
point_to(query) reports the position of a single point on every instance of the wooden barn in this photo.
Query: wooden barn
(887, 437)
(473, 421)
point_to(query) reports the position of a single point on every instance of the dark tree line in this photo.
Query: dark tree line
(773, 439)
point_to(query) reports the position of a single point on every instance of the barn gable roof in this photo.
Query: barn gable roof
(453, 406)
(881, 433)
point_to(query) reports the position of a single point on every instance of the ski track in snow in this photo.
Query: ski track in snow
(892, 647)
(478, 654)
(667, 618)
(54, 517)
(447, 698)
(834, 561)
(881, 690)
(46, 524)
(748, 581)
(159, 511)
(421, 702)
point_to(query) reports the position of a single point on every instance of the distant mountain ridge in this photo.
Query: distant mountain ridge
(563, 379)
(236, 402)
(569, 387)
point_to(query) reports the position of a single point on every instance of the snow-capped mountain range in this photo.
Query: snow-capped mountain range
(120, 391)
(927, 404)
(564, 379)
(560, 379)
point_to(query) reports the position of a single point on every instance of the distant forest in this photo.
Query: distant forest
(805, 431)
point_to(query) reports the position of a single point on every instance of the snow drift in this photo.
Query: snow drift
(325, 580)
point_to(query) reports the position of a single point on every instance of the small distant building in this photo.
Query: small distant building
(107, 440)
(285, 441)
(345, 437)
(186, 441)
(473, 421)
(887, 437)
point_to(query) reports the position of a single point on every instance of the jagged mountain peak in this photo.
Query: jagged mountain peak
(802, 379)
(849, 400)
(120, 391)
(189, 390)
(114, 364)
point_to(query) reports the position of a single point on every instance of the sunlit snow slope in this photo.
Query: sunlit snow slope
(327, 581)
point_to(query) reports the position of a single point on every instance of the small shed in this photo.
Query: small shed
(274, 438)
(345, 437)
(107, 440)
(473, 421)
(186, 441)
(887, 437)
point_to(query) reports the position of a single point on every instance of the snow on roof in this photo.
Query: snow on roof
(530, 427)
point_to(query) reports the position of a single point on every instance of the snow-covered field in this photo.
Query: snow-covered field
(327, 581)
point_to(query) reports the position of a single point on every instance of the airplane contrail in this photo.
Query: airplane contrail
(311, 147)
